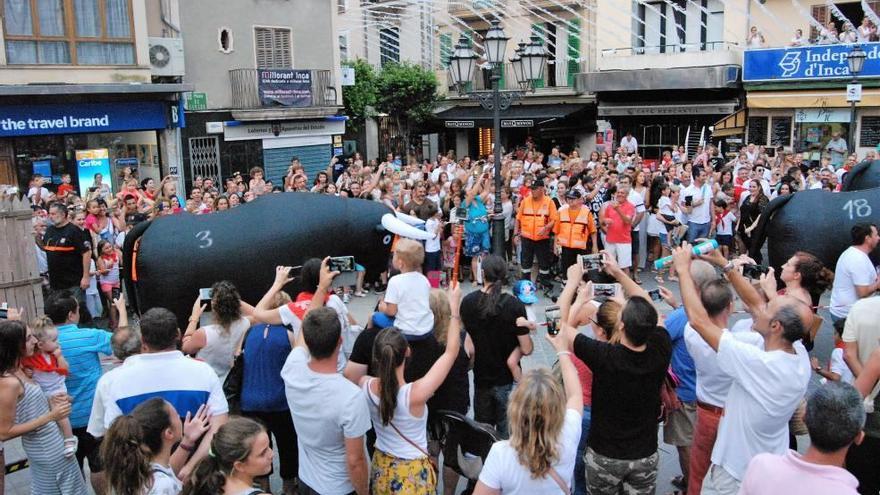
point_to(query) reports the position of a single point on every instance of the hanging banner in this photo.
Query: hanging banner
(89, 163)
(285, 87)
(816, 62)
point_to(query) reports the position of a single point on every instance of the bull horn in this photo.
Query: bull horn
(409, 219)
(396, 226)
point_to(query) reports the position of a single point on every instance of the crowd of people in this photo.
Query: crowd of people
(829, 34)
(349, 410)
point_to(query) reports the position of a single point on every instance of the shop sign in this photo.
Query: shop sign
(821, 115)
(89, 163)
(816, 62)
(460, 124)
(196, 101)
(39, 120)
(508, 123)
(214, 127)
(648, 110)
(293, 128)
(285, 87)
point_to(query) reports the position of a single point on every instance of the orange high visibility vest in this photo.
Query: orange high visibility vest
(533, 217)
(574, 232)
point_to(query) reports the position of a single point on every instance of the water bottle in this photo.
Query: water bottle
(699, 249)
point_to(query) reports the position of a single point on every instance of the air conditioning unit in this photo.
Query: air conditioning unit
(166, 56)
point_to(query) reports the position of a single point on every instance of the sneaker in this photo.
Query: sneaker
(360, 293)
(70, 445)
(379, 288)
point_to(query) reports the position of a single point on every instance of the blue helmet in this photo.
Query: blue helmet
(526, 291)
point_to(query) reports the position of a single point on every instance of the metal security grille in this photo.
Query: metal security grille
(204, 157)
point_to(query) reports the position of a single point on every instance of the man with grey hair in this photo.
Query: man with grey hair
(766, 385)
(835, 417)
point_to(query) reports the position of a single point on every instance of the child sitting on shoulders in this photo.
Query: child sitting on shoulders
(407, 297)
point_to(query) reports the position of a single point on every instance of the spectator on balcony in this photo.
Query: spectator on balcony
(849, 34)
(799, 39)
(755, 39)
(866, 31)
(828, 35)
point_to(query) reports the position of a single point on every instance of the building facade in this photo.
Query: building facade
(82, 92)
(266, 78)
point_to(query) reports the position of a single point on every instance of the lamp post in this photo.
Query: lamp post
(528, 65)
(856, 61)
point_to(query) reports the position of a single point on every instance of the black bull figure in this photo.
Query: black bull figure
(815, 221)
(865, 175)
(169, 259)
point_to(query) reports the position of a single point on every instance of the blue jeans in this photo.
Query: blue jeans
(490, 407)
(697, 231)
(580, 467)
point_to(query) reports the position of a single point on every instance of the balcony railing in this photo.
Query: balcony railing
(245, 88)
(560, 77)
(670, 48)
(466, 9)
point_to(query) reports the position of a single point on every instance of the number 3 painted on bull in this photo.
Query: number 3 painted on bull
(205, 237)
(857, 208)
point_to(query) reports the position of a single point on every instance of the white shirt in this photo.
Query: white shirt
(410, 292)
(220, 345)
(725, 227)
(333, 301)
(853, 268)
(767, 388)
(629, 144)
(503, 471)
(326, 409)
(703, 213)
(388, 440)
(432, 245)
(184, 382)
(44, 193)
(839, 366)
(165, 482)
(639, 202)
(712, 383)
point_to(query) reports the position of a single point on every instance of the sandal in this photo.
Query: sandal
(659, 279)
(673, 278)
(679, 482)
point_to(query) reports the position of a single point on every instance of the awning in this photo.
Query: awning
(810, 99)
(649, 109)
(465, 117)
(732, 125)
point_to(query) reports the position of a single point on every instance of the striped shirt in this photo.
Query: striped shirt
(80, 347)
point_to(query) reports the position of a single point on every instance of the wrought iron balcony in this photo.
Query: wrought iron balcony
(245, 87)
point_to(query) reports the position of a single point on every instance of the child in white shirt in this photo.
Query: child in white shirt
(407, 297)
(434, 226)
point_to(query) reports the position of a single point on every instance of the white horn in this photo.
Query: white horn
(411, 220)
(396, 226)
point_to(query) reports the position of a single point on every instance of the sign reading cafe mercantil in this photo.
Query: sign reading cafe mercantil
(285, 87)
(814, 62)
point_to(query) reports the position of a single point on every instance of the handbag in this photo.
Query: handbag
(668, 398)
(233, 383)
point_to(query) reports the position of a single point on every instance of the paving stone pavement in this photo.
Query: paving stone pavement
(19, 483)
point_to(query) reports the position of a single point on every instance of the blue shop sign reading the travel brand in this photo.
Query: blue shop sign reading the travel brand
(814, 62)
(34, 120)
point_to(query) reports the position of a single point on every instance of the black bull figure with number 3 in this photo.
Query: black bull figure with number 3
(167, 260)
(815, 221)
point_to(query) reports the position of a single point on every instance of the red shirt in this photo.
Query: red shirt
(64, 190)
(585, 375)
(619, 232)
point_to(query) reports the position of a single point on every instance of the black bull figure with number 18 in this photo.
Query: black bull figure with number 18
(167, 260)
(815, 221)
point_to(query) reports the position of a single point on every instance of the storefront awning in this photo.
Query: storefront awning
(810, 99)
(662, 109)
(515, 116)
(732, 125)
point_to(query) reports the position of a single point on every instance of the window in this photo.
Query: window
(82, 32)
(678, 25)
(343, 46)
(341, 6)
(389, 41)
(273, 48)
(224, 40)
(445, 49)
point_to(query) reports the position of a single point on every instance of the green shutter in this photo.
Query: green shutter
(445, 49)
(574, 49)
(538, 30)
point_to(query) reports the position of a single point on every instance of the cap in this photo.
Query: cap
(525, 291)
(573, 194)
(538, 183)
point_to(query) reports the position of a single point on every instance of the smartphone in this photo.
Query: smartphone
(345, 265)
(461, 213)
(114, 293)
(592, 262)
(205, 297)
(655, 295)
(688, 200)
(601, 292)
(552, 315)
(754, 271)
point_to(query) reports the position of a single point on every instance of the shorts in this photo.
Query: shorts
(432, 261)
(89, 448)
(635, 241)
(679, 427)
(724, 239)
(109, 287)
(622, 252)
(664, 239)
(541, 249)
(476, 244)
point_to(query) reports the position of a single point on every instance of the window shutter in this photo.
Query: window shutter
(540, 32)
(820, 13)
(574, 49)
(445, 49)
(263, 44)
(274, 48)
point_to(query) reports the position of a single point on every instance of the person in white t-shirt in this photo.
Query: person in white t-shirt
(406, 299)
(854, 275)
(549, 449)
(700, 208)
(767, 385)
(629, 144)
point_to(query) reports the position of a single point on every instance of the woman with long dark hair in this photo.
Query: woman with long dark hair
(239, 453)
(25, 412)
(137, 448)
(750, 214)
(401, 463)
